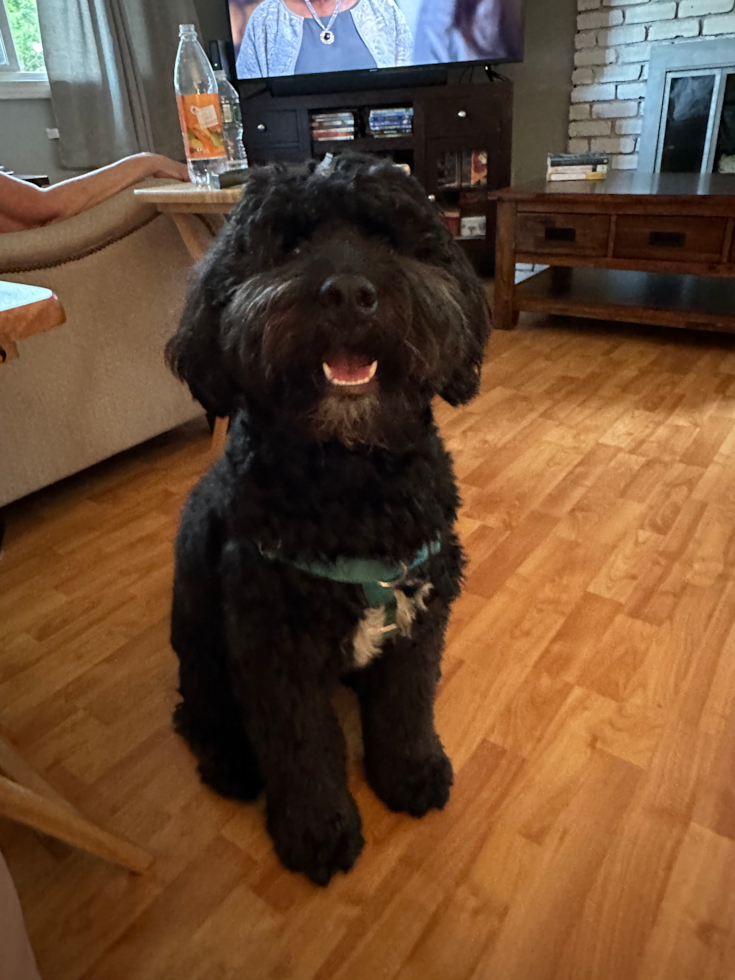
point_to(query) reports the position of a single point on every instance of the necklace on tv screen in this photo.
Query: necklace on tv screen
(327, 34)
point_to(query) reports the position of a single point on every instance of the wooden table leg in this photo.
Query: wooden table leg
(185, 224)
(48, 817)
(219, 437)
(26, 797)
(14, 766)
(504, 316)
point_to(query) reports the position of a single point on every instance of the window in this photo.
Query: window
(22, 69)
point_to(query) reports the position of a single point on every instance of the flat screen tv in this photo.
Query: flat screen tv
(285, 38)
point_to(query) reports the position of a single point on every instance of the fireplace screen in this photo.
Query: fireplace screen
(689, 125)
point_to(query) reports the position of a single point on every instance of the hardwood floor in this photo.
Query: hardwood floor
(587, 703)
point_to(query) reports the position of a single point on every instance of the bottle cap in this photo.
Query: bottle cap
(187, 29)
(220, 73)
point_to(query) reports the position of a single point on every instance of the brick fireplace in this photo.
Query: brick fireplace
(613, 42)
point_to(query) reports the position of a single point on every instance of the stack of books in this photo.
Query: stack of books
(465, 168)
(577, 166)
(333, 126)
(390, 122)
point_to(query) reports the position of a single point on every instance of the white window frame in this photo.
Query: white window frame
(14, 83)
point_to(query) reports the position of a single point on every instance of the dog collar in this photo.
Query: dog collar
(379, 579)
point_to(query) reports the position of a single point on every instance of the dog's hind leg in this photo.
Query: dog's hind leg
(405, 762)
(209, 717)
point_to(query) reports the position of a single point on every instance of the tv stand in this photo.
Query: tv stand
(450, 122)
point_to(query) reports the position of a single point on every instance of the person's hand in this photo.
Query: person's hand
(160, 166)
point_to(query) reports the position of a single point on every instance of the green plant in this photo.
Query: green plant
(23, 18)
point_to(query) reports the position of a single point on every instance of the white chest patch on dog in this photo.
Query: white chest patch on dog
(370, 634)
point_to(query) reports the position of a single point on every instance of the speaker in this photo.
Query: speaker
(222, 56)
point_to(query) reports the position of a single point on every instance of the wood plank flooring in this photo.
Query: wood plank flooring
(588, 704)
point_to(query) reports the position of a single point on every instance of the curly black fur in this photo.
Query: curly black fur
(350, 261)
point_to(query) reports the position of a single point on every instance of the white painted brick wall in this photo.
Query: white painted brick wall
(621, 35)
(665, 31)
(591, 127)
(599, 18)
(646, 14)
(629, 127)
(698, 8)
(616, 144)
(594, 56)
(618, 73)
(719, 25)
(615, 110)
(593, 93)
(577, 112)
(613, 48)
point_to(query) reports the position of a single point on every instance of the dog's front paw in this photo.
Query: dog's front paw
(413, 785)
(317, 840)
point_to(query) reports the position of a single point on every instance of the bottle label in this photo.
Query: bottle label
(201, 126)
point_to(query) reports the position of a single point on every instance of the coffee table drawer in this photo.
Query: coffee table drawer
(670, 239)
(562, 234)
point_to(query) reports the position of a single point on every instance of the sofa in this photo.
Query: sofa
(97, 385)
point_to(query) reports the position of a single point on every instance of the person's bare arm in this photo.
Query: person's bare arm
(22, 205)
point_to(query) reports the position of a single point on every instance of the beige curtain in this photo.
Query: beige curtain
(111, 69)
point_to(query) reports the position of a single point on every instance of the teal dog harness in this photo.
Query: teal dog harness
(379, 579)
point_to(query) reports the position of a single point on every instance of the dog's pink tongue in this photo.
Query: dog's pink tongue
(349, 370)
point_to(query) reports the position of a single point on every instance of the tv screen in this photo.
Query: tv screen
(301, 37)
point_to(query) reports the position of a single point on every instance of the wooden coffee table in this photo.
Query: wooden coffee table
(642, 248)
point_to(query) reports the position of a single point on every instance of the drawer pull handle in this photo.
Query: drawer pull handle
(462, 114)
(261, 127)
(668, 239)
(561, 234)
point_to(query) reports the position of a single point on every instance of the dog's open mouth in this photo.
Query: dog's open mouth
(351, 374)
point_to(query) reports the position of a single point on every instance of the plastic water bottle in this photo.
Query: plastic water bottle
(200, 113)
(237, 158)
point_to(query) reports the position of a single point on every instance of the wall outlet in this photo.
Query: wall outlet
(53, 134)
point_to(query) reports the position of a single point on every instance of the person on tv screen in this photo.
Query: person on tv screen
(296, 37)
(468, 30)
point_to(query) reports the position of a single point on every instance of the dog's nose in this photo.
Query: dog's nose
(350, 291)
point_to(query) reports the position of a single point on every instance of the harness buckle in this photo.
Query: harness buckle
(398, 581)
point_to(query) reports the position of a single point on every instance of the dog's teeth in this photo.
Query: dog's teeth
(350, 384)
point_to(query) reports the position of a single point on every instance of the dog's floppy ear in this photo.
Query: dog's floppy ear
(463, 383)
(196, 353)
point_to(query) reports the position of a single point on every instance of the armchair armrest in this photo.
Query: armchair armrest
(89, 231)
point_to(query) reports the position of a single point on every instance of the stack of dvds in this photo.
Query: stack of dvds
(333, 126)
(390, 122)
(577, 166)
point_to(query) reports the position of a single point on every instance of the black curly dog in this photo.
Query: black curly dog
(330, 311)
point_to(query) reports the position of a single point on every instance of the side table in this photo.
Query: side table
(641, 248)
(183, 202)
